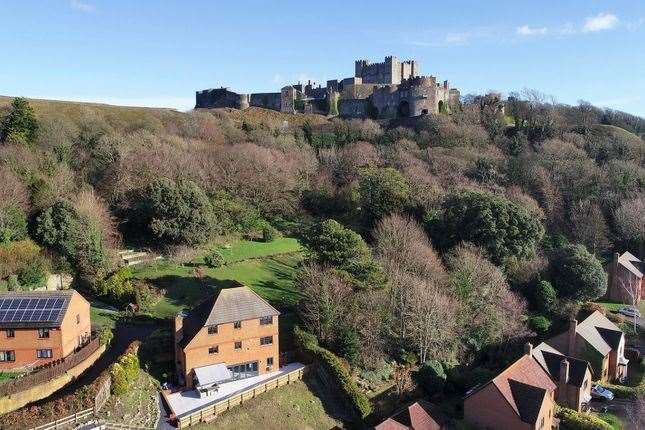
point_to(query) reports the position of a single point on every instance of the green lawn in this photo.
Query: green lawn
(246, 249)
(269, 276)
(290, 407)
(103, 317)
(613, 306)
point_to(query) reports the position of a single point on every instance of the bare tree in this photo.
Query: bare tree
(633, 292)
(636, 412)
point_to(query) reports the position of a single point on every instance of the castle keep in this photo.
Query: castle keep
(389, 89)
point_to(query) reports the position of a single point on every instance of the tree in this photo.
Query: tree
(503, 228)
(545, 296)
(20, 125)
(331, 244)
(13, 224)
(629, 222)
(214, 258)
(177, 212)
(576, 274)
(382, 192)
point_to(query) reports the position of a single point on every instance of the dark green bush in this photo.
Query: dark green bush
(269, 234)
(572, 420)
(309, 345)
(432, 377)
(214, 258)
(576, 273)
(33, 275)
(544, 297)
(539, 324)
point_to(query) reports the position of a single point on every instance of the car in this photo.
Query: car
(601, 393)
(630, 311)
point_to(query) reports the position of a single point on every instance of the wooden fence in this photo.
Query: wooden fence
(210, 412)
(68, 421)
(49, 371)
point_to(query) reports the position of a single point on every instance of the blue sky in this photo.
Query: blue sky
(157, 53)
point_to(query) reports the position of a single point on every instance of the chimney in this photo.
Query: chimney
(571, 342)
(564, 371)
(528, 349)
(179, 325)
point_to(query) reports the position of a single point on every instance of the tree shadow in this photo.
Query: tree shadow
(332, 400)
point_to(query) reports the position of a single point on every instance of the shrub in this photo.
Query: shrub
(13, 224)
(269, 234)
(349, 345)
(105, 335)
(214, 258)
(309, 345)
(432, 377)
(573, 420)
(544, 297)
(33, 275)
(539, 324)
(120, 384)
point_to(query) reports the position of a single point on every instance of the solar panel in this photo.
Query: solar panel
(32, 308)
(4, 303)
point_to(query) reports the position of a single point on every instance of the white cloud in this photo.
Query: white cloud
(525, 30)
(600, 22)
(82, 6)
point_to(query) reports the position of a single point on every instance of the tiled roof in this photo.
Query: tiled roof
(228, 305)
(419, 415)
(596, 330)
(33, 308)
(631, 263)
(550, 359)
(524, 385)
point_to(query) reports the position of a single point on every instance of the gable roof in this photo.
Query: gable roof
(226, 306)
(29, 309)
(420, 415)
(551, 359)
(599, 332)
(524, 385)
(631, 263)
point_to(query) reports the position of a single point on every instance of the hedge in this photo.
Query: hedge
(572, 420)
(308, 343)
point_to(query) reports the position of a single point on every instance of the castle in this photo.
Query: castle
(384, 90)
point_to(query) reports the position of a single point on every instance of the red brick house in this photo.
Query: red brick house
(522, 397)
(625, 279)
(572, 376)
(419, 415)
(598, 341)
(38, 327)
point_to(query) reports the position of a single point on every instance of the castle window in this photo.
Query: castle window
(212, 329)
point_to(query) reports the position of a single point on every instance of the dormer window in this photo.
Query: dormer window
(212, 329)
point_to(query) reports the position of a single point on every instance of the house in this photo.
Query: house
(230, 335)
(419, 415)
(572, 376)
(38, 327)
(522, 397)
(598, 341)
(625, 279)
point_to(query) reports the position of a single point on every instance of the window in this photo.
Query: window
(244, 370)
(266, 340)
(237, 324)
(270, 361)
(78, 318)
(238, 345)
(43, 353)
(213, 349)
(584, 386)
(212, 329)
(542, 423)
(11, 332)
(43, 333)
(7, 356)
(266, 320)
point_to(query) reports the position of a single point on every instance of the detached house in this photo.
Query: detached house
(625, 279)
(598, 341)
(38, 327)
(419, 415)
(522, 397)
(230, 335)
(571, 376)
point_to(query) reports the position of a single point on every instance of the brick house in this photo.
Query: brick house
(522, 397)
(230, 335)
(419, 415)
(598, 341)
(625, 283)
(572, 376)
(38, 327)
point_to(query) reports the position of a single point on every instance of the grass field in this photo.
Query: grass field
(291, 407)
(267, 268)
